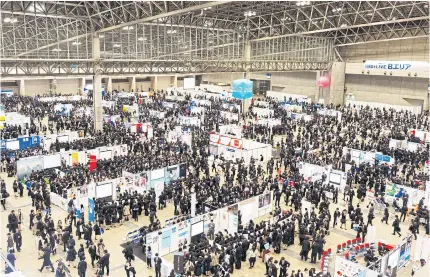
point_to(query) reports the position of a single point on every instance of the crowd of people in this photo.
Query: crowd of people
(219, 182)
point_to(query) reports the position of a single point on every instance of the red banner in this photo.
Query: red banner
(93, 162)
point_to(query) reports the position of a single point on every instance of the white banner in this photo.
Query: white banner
(409, 66)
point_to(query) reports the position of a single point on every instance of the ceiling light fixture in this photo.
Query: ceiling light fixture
(101, 36)
(336, 10)
(303, 3)
(141, 39)
(208, 8)
(343, 25)
(249, 13)
(128, 28)
(56, 50)
(171, 31)
(11, 20)
(117, 45)
(76, 43)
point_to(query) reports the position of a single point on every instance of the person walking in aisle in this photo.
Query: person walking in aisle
(82, 267)
(396, 226)
(46, 258)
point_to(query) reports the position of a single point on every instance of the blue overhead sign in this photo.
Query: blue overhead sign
(242, 89)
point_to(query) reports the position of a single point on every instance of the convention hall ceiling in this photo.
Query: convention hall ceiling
(149, 33)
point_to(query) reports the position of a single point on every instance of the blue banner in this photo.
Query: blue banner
(242, 89)
(91, 206)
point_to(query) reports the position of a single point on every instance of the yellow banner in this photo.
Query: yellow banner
(75, 158)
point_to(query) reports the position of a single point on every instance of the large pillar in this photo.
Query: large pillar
(109, 84)
(97, 85)
(247, 75)
(132, 82)
(174, 81)
(82, 85)
(154, 83)
(337, 83)
(22, 87)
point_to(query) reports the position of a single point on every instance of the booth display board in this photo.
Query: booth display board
(265, 203)
(263, 112)
(25, 166)
(229, 115)
(345, 268)
(395, 191)
(172, 237)
(190, 121)
(231, 130)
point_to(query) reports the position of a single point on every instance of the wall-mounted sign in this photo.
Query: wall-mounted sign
(409, 66)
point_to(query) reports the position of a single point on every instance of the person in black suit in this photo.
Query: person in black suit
(396, 226)
(82, 267)
(157, 262)
(104, 262)
(306, 246)
(46, 258)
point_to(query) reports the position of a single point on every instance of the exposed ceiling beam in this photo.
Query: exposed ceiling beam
(143, 20)
(44, 15)
(162, 15)
(346, 27)
(380, 40)
(52, 44)
(187, 26)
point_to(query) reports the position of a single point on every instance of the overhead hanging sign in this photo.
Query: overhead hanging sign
(242, 89)
(409, 66)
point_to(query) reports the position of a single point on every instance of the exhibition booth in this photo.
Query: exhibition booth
(25, 166)
(312, 172)
(232, 148)
(171, 238)
(261, 104)
(19, 144)
(85, 194)
(144, 127)
(329, 112)
(63, 109)
(300, 116)
(263, 112)
(395, 191)
(229, 116)
(189, 121)
(283, 96)
(62, 98)
(15, 119)
(232, 107)
(424, 136)
(352, 259)
(291, 107)
(406, 145)
(231, 130)
(269, 122)
(360, 156)
(158, 114)
(154, 179)
(178, 134)
(67, 136)
(398, 108)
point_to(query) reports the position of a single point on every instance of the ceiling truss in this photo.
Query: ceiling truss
(194, 33)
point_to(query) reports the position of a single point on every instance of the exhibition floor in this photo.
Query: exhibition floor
(27, 260)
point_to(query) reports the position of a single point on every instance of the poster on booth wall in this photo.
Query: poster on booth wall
(93, 162)
(405, 253)
(171, 173)
(75, 158)
(91, 207)
(264, 200)
(345, 268)
(141, 180)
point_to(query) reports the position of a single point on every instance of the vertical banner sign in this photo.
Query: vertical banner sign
(91, 206)
(193, 204)
(93, 162)
(75, 158)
